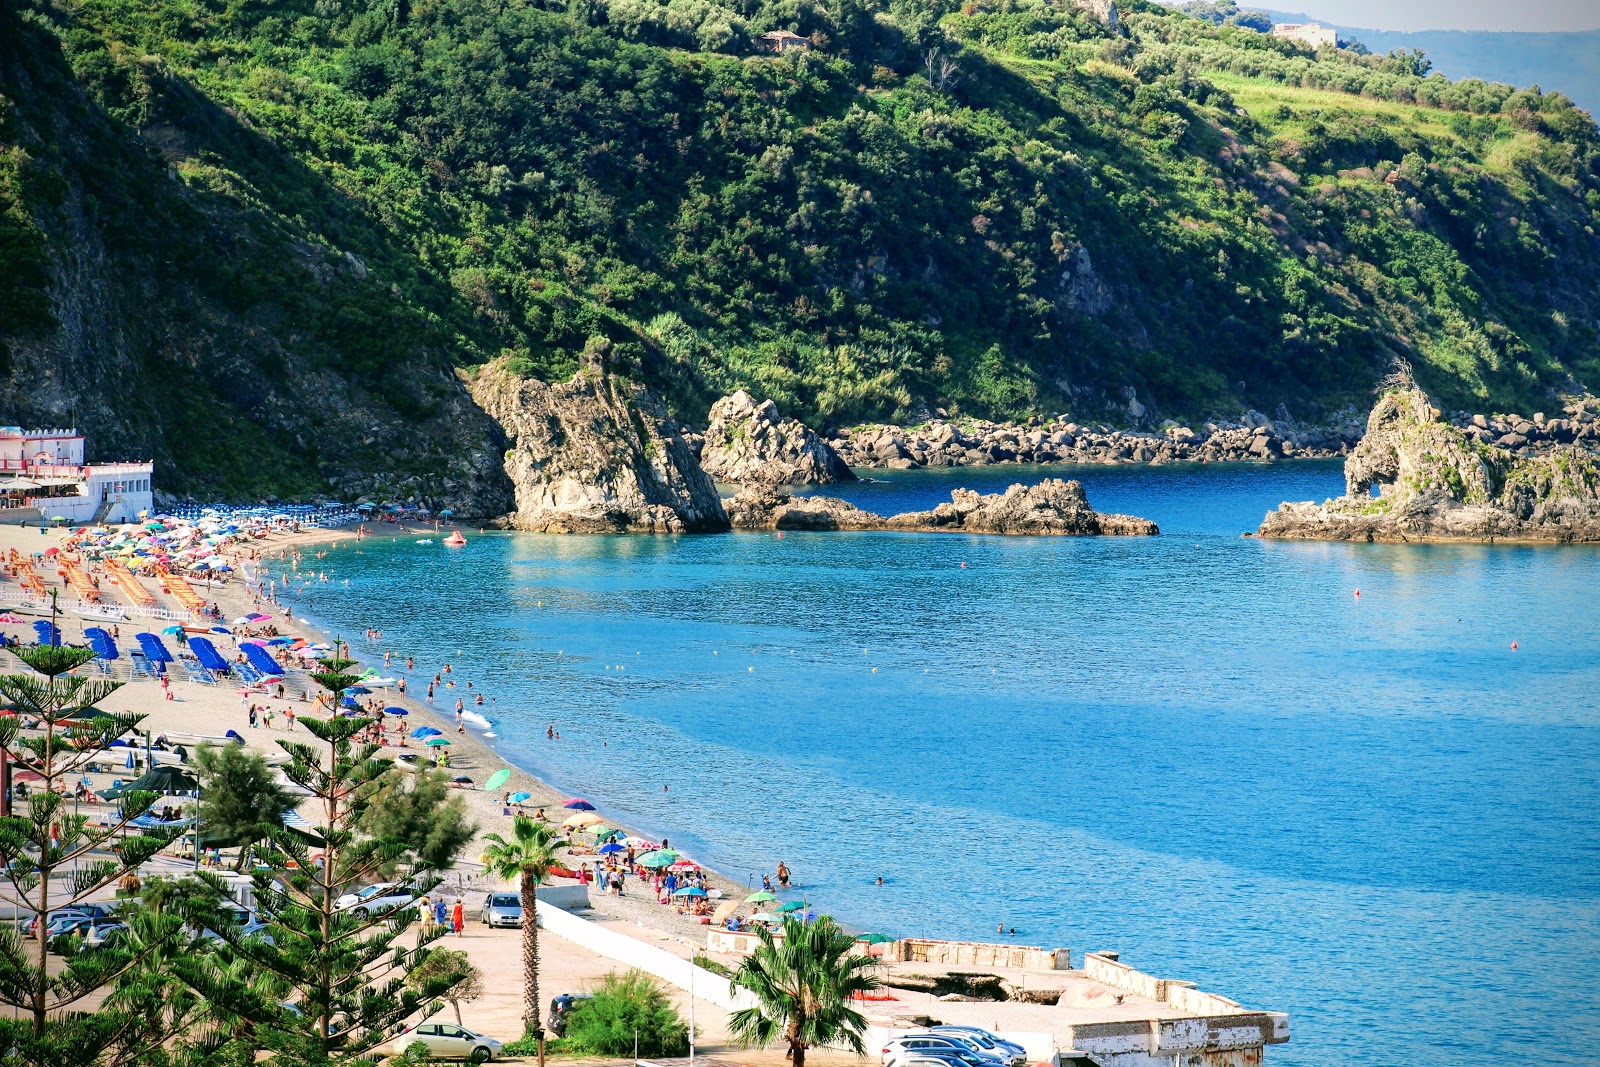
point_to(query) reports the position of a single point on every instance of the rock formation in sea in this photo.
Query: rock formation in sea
(1440, 483)
(596, 454)
(747, 443)
(1053, 507)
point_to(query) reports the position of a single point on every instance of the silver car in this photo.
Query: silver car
(449, 1041)
(502, 909)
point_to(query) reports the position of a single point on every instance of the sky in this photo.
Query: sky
(1412, 15)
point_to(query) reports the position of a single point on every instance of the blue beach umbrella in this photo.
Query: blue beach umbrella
(578, 804)
(692, 891)
(425, 731)
(358, 690)
(395, 709)
(518, 798)
(611, 849)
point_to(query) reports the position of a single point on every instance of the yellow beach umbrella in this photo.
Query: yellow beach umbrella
(583, 818)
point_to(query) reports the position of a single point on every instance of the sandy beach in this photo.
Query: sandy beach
(197, 713)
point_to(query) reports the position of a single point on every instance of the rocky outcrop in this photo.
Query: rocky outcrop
(943, 443)
(596, 454)
(747, 443)
(1438, 483)
(1051, 508)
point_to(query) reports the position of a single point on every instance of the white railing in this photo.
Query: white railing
(17, 598)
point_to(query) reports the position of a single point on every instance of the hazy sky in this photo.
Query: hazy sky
(1447, 14)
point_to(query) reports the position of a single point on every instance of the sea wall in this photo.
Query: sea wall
(978, 954)
(631, 952)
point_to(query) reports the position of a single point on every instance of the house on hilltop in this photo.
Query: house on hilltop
(782, 41)
(1310, 33)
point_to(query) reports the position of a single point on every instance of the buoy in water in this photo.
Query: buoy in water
(1513, 646)
(874, 670)
(963, 566)
(1358, 594)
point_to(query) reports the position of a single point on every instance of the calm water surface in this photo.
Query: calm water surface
(1202, 751)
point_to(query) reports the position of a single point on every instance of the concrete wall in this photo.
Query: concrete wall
(566, 897)
(631, 953)
(979, 954)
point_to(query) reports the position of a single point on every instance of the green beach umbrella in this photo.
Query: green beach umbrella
(875, 939)
(662, 857)
(498, 778)
(764, 917)
(760, 898)
(437, 741)
(792, 905)
(599, 831)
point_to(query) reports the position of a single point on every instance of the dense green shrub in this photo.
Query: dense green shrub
(624, 1006)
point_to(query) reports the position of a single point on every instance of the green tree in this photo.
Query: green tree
(803, 981)
(51, 858)
(451, 964)
(241, 800)
(627, 1011)
(527, 858)
(348, 984)
(424, 813)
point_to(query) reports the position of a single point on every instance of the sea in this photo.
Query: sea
(1354, 782)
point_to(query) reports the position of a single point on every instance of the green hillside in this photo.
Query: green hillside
(304, 213)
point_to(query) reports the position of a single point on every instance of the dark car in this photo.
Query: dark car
(560, 1010)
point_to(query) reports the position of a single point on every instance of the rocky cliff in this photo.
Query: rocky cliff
(1051, 508)
(747, 443)
(1436, 482)
(596, 454)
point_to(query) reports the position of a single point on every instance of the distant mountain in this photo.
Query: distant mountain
(1568, 62)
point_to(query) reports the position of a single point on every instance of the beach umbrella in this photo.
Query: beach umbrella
(874, 939)
(583, 818)
(685, 865)
(790, 905)
(173, 631)
(760, 898)
(496, 780)
(602, 832)
(578, 804)
(692, 891)
(395, 709)
(290, 641)
(437, 741)
(426, 731)
(764, 917)
(461, 779)
(518, 798)
(659, 858)
(358, 690)
(611, 849)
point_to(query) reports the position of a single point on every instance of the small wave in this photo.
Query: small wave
(475, 719)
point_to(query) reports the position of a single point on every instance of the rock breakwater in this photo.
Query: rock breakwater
(943, 443)
(1051, 508)
(1438, 482)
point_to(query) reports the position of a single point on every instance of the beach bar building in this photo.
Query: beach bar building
(44, 476)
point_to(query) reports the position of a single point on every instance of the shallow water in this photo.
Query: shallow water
(1202, 751)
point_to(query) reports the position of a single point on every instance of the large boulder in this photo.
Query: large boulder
(1051, 508)
(597, 454)
(747, 443)
(1435, 482)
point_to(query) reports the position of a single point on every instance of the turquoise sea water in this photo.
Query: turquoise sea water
(1202, 751)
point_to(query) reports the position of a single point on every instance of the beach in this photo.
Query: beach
(198, 713)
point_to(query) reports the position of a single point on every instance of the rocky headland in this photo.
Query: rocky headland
(1440, 482)
(749, 443)
(1052, 508)
(597, 454)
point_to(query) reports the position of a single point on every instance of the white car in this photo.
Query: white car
(447, 1040)
(385, 896)
(942, 1044)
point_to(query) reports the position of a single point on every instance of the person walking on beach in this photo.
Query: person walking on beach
(252, 716)
(439, 911)
(425, 911)
(458, 918)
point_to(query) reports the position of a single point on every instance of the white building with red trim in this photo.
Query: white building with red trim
(43, 475)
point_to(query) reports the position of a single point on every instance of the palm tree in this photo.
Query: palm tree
(527, 857)
(803, 983)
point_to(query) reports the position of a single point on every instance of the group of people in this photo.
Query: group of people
(435, 912)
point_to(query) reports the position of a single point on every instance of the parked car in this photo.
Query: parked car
(375, 899)
(27, 925)
(560, 1008)
(502, 909)
(449, 1041)
(64, 926)
(939, 1044)
(1019, 1055)
(948, 1057)
(104, 934)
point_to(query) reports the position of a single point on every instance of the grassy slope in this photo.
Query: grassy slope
(835, 232)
